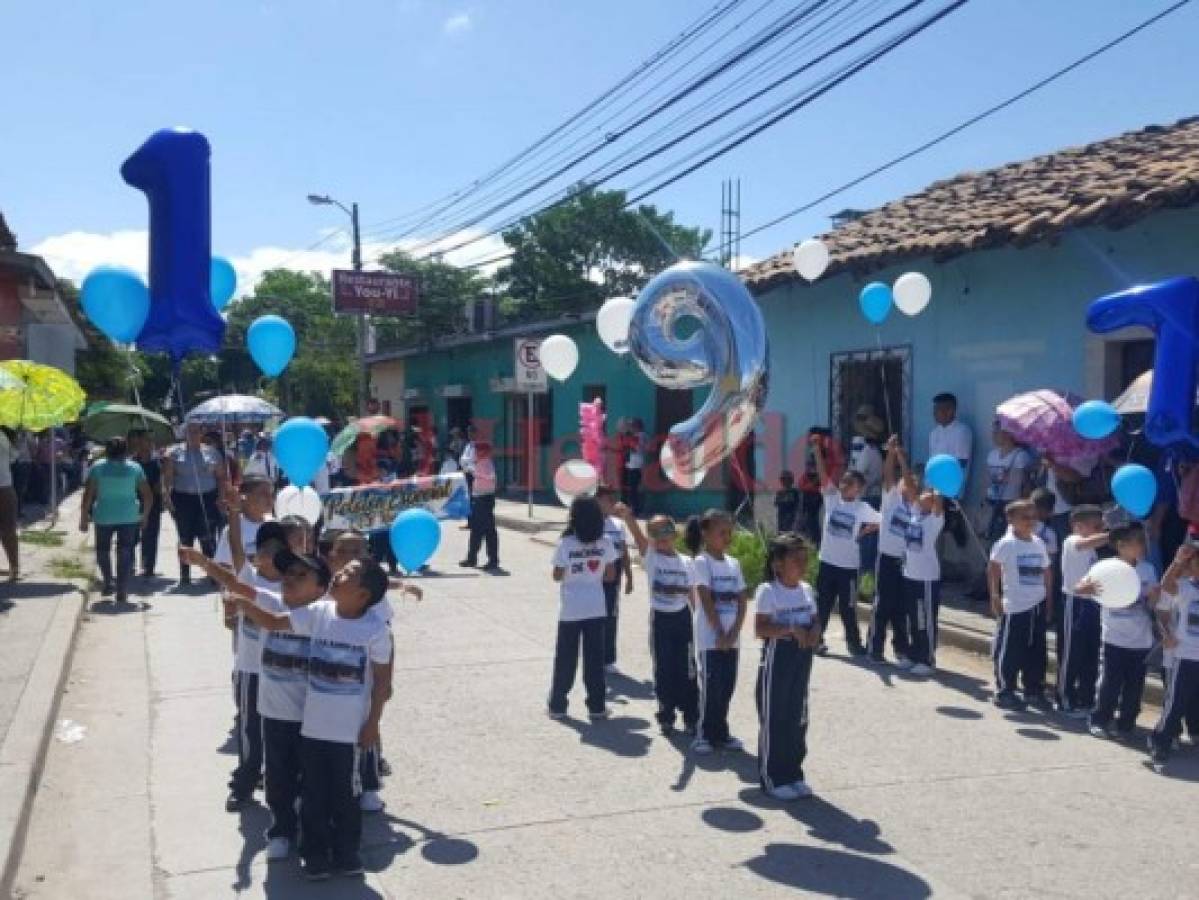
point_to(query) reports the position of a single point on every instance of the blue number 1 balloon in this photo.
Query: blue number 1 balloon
(172, 169)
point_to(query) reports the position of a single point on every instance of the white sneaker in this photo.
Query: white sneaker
(733, 744)
(611, 669)
(371, 802)
(784, 792)
(802, 791)
(701, 747)
(921, 669)
(1099, 732)
(278, 848)
(904, 663)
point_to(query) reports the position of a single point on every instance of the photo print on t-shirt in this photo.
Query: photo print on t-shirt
(840, 524)
(336, 668)
(285, 657)
(1031, 568)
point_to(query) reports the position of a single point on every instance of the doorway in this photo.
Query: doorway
(518, 459)
(458, 413)
(881, 379)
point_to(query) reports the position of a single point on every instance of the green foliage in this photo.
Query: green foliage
(445, 291)
(570, 258)
(749, 549)
(43, 538)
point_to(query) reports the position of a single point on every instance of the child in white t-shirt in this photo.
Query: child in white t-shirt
(671, 602)
(720, 588)
(583, 562)
(888, 611)
(1008, 465)
(1178, 616)
(847, 518)
(615, 532)
(1019, 580)
(922, 577)
(788, 624)
(1079, 638)
(1127, 639)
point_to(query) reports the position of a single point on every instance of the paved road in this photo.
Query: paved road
(923, 788)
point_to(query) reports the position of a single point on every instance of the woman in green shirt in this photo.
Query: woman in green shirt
(118, 499)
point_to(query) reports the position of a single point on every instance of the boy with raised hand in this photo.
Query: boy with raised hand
(249, 505)
(896, 512)
(1020, 580)
(347, 689)
(1078, 648)
(1178, 615)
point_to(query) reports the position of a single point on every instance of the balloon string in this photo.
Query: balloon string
(644, 219)
(878, 335)
(177, 377)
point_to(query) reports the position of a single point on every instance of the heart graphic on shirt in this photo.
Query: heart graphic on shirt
(593, 564)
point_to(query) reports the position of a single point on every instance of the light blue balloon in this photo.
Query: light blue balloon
(117, 301)
(272, 344)
(876, 302)
(1096, 419)
(943, 473)
(222, 282)
(301, 446)
(1134, 488)
(415, 536)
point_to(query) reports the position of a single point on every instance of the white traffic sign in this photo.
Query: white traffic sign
(530, 376)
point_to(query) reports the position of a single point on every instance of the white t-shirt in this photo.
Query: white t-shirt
(953, 439)
(582, 587)
(1006, 474)
(1046, 533)
(1076, 562)
(341, 654)
(894, 517)
(249, 541)
(724, 579)
(866, 459)
(670, 580)
(261, 462)
(1132, 626)
(249, 636)
(615, 532)
(791, 607)
(283, 682)
(5, 461)
(920, 562)
(1185, 606)
(843, 520)
(1024, 564)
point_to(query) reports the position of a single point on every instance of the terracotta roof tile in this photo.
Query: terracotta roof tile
(1113, 182)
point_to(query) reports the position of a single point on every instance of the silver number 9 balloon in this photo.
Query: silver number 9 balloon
(728, 350)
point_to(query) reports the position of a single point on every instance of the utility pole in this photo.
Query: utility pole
(363, 322)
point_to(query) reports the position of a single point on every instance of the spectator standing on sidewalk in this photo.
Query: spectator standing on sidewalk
(8, 505)
(118, 499)
(193, 477)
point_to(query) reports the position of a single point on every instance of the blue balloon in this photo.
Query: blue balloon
(222, 281)
(944, 474)
(415, 536)
(116, 301)
(1134, 488)
(272, 344)
(876, 302)
(1096, 419)
(301, 446)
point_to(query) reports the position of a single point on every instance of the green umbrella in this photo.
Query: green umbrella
(108, 420)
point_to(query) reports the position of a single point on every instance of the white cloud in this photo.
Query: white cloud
(73, 254)
(457, 23)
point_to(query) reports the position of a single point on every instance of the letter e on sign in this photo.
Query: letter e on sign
(529, 374)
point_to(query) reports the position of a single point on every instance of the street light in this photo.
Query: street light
(352, 212)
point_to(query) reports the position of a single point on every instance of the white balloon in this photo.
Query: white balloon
(811, 259)
(1119, 583)
(559, 356)
(683, 480)
(304, 502)
(612, 323)
(912, 291)
(575, 478)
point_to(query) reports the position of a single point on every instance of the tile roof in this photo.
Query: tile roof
(1113, 183)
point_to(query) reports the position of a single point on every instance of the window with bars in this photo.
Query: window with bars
(880, 378)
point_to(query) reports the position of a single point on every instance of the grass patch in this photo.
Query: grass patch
(43, 538)
(69, 568)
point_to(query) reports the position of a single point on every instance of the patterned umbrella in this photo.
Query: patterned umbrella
(46, 397)
(1044, 421)
(370, 425)
(232, 409)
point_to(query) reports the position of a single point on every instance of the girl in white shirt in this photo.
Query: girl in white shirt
(788, 624)
(584, 560)
(671, 601)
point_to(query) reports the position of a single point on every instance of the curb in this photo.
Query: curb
(525, 526)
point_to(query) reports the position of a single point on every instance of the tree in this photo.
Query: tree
(444, 292)
(572, 257)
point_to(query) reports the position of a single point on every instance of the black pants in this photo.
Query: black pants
(281, 747)
(197, 519)
(673, 647)
(889, 607)
(22, 474)
(1121, 683)
(482, 530)
(809, 510)
(1018, 651)
(329, 813)
(839, 587)
(149, 537)
(368, 769)
(566, 662)
(1182, 695)
(922, 604)
(782, 697)
(1078, 658)
(379, 545)
(612, 604)
(630, 489)
(126, 536)
(249, 736)
(717, 681)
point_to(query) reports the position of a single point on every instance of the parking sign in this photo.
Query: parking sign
(530, 376)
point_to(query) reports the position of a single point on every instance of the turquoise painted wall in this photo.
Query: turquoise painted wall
(1000, 322)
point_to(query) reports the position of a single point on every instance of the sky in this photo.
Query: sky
(396, 103)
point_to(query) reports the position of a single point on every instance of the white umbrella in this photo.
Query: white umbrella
(232, 409)
(1135, 398)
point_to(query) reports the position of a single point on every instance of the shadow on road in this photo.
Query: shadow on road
(732, 819)
(33, 590)
(827, 823)
(834, 873)
(621, 735)
(112, 608)
(621, 685)
(383, 840)
(959, 712)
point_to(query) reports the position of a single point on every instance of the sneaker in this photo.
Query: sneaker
(556, 714)
(384, 767)
(904, 664)
(598, 715)
(921, 669)
(784, 792)
(234, 803)
(802, 791)
(277, 848)
(611, 669)
(701, 747)
(492, 567)
(733, 744)
(1008, 700)
(468, 564)
(1099, 731)
(1158, 758)
(107, 589)
(317, 870)
(371, 802)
